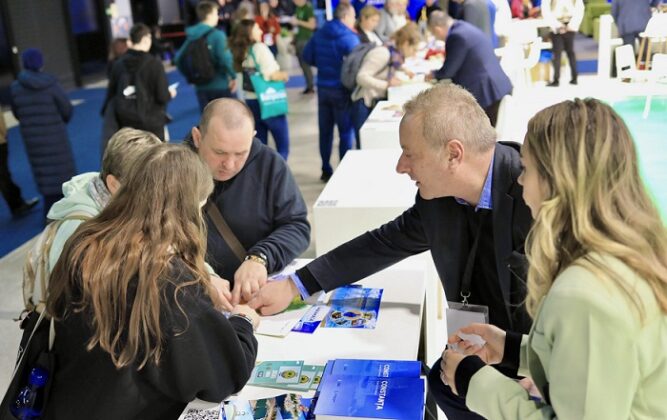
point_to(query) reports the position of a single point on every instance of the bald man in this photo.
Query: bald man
(256, 194)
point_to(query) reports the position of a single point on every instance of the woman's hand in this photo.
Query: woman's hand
(248, 312)
(491, 352)
(450, 361)
(280, 76)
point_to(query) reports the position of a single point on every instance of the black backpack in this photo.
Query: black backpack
(196, 62)
(131, 101)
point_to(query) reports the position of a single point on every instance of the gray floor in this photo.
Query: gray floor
(304, 161)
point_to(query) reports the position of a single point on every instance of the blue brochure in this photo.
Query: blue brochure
(351, 397)
(377, 368)
(354, 307)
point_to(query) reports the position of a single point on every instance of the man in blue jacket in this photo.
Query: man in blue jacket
(326, 50)
(470, 62)
(256, 195)
(631, 17)
(223, 85)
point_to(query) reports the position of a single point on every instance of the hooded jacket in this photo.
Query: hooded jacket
(222, 57)
(43, 110)
(326, 50)
(264, 208)
(77, 201)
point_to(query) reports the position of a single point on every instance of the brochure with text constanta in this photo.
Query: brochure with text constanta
(354, 307)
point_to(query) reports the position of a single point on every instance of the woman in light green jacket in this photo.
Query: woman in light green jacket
(597, 283)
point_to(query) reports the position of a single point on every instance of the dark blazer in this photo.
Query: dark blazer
(471, 62)
(439, 225)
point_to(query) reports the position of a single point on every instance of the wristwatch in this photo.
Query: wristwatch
(258, 257)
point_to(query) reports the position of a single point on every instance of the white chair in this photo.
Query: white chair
(655, 33)
(658, 74)
(625, 62)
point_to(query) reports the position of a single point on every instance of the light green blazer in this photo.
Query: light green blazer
(589, 351)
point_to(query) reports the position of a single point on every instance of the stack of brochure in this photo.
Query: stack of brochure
(291, 375)
(370, 389)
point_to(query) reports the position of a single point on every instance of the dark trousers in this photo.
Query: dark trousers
(564, 42)
(360, 113)
(492, 112)
(10, 191)
(206, 96)
(333, 107)
(305, 67)
(276, 125)
(450, 404)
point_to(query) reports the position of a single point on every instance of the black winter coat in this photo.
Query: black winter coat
(43, 110)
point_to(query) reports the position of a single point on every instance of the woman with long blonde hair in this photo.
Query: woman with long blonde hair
(597, 283)
(138, 334)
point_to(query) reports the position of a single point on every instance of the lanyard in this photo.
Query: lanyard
(467, 274)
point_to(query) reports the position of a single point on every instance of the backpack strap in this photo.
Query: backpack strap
(224, 230)
(43, 262)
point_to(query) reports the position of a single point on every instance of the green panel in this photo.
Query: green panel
(650, 137)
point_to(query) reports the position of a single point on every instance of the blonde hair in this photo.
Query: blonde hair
(596, 201)
(153, 220)
(368, 12)
(123, 148)
(450, 112)
(408, 33)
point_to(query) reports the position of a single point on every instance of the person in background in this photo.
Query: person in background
(597, 283)
(162, 48)
(256, 195)
(631, 17)
(333, 100)
(378, 72)
(223, 84)
(10, 191)
(429, 7)
(476, 13)
(269, 25)
(251, 54)
(369, 19)
(471, 62)
(136, 314)
(564, 18)
(117, 48)
(43, 110)
(392, 17)
(304, 24)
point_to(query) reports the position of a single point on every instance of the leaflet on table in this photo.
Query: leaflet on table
(387, 112)
(282, 407)
(312, 319)
(286, 374)
(354, 307)
(281, 324)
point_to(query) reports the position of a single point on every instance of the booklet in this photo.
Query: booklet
(282, 407)
(354, 307)
(276, 374)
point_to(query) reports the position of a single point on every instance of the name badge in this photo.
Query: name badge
(460, 315)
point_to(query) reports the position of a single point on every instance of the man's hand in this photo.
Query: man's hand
(248, 279)
(491, 352)
(274, 297)
(224, 295)
(429, 76)
(232, 86)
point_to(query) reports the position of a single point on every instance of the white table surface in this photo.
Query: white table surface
(380, 131)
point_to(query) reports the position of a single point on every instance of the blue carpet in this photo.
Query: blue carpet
(84, 133)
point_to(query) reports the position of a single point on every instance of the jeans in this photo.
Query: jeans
(564, 42)
(206, 96)
(276, 125)
(305, 67)
(333, 107)
(360, 113)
